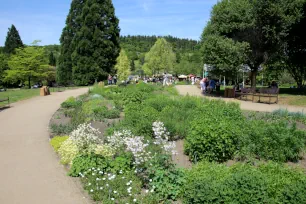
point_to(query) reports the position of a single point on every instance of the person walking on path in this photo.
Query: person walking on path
(110, 79)
(203, 85)
(115, 79)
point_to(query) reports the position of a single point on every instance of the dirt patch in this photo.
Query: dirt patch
(60, 118)
(180, 159)
(301, 163)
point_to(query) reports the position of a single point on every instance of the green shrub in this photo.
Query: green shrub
(140, 118)
(82, 163)
(57, 141)
(159, 102)
(211, 139)
(167, 182)
(61, 129)
(243, 183)
(133, 96)
(89, 106)
(71, 103)
(121, 163)
(275, 141)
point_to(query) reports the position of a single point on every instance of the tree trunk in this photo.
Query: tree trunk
(253, 78)
(29, 82)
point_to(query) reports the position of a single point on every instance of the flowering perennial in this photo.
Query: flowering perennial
(116, 141)
(85, 136)
(138, 149)
(162, 137)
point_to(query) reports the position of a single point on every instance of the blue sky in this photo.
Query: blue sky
(44, 20)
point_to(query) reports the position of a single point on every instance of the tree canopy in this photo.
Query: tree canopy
(123, 67)
(73, 25)
(12, 41)
(3, 67)
(262, 24)
(27, 63)
(160, 58)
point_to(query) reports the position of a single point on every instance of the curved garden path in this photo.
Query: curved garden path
(245, 105)
(30, 172)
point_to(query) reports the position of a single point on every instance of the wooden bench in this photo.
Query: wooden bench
(267, 92)
(5, 99)
(245, 92)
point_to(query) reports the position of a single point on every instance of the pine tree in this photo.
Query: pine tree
(52, 59)
(97, 43)
(73, 25)
(12, 41)
(123, 66)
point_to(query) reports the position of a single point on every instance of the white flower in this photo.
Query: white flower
(91, 190)
(89, 184)
(107, 184)
(101, 188)
(162, 137)
(147, 191)
(135, 200)
(112, 198)
(85, 136)
(150, 180)
(115, 192)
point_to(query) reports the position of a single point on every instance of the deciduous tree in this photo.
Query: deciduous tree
(160, 58)
(261, 23)
(3, 67)
(123, 67)
(28, 63)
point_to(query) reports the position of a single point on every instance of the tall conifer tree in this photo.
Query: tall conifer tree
(97, 43)
(73, 25)
(12, 41)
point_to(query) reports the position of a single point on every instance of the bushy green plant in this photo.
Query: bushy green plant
(133, 96)
(82, 163)
(89, 106)
(71, 103)
(57, 141)
(167, 182)
(211, 139)
(140, 118)
(61, 129)
(159, 102)
(275, 141)
(243, 183)
(103, 112)
(121, 163)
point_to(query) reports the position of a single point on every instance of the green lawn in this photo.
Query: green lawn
(22, 94)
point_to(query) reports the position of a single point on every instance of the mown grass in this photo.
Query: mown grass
(16, 95)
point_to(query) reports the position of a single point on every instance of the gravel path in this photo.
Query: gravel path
(30, 172)
(245, 105)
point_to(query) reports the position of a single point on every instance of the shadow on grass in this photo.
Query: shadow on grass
(290, 91)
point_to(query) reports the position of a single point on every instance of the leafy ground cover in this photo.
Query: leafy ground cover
(130, 160)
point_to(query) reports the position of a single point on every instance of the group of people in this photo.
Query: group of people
(208, 85)
(112, 80)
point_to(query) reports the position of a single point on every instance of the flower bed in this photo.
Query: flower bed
(131, 161)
